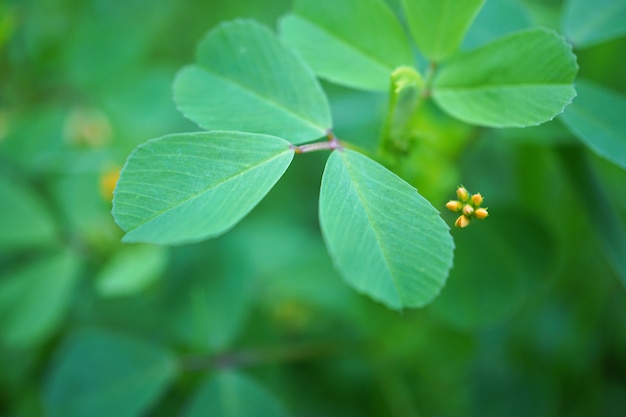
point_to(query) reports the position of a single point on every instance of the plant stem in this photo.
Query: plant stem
(259, 356)
(331, 144)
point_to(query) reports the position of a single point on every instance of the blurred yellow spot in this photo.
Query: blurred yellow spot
(88, 127)
(292, 314)
(108, 181)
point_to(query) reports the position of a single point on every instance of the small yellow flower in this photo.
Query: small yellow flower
(469, 207)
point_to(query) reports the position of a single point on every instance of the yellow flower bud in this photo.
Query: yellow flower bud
(477, 200)
(481, 213)
(454, 206)
(463, 194)
(468, 210)
(462, 222)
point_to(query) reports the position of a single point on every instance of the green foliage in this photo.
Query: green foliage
(230, 394)
(597, 118)
(144, 264)
(246, 80)
(35, 298)
(356, 43)
(124, 377)
(438, 27)
(25, 221)
(295, 311)
(586, 26)
(183, 188)
(386, 239)
(509, 83)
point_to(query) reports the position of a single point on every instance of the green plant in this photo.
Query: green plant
(257, 321)
(385, 239)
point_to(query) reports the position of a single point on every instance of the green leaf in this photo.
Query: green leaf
(131, 270)
(25, 220)
(208, 313)
(98, 374)
(586, 24)
(188, 187)
(245, 79)
(34, 298)
(230, 394)
(520, 80)
(438, 27)
(597, 118)
(608, 225)
(384, 238)
(497, 18)
(356, 43)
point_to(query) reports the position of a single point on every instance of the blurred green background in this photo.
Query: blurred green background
(532, 321)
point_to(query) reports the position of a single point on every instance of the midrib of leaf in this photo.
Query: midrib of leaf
(499, 86)
(266, 99)
(374, 59)
(378, 241)
(213, 185)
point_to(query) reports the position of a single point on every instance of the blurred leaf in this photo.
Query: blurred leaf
(519, 80)
(131, 270)
(102, 374)
(34, 298)
(356, 43)
(188, 187)
(608, 226)
(246, 79)
(597, 118)
(231, 394)
(209, 308)
(25, 220)
(438, 27)
(385, 239)
(495, 19)
(586, 24)
(496, 264)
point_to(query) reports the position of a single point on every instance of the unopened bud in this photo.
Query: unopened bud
(481, 213)
(454, 206)
(463, 194)
(462, 222)
(477, 200)
(468, 210)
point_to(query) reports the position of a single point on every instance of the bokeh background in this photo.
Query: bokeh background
(532, 321)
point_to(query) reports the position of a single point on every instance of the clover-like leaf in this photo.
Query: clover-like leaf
(356, 43)
(188, 187)
(100, 374)
(385, 239)
(596, 117)
(35, 297)
(231, 394)
(438, 26)
(245, 79)
(519, 80)
(586, 24)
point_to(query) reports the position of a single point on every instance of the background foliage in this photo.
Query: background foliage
(531, 321)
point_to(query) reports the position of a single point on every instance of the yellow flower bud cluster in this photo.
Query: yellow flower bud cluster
(469, 207)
